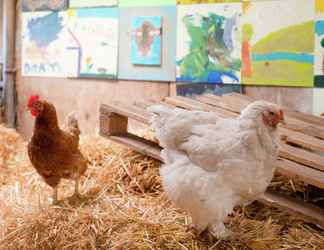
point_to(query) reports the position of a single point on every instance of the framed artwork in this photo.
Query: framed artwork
(146, 40)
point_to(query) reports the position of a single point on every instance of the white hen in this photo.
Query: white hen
(213, 164)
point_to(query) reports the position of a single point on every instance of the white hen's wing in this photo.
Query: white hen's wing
(214, 146)
(173, 126)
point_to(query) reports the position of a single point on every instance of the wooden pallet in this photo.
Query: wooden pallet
(301, 149)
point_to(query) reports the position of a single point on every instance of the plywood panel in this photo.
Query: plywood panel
(300, 99)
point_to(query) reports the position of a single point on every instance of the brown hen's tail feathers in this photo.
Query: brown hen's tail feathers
(72, 125)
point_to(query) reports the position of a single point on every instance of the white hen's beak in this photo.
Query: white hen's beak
(282, 117)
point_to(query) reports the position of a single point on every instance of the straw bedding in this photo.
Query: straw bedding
(124, 207)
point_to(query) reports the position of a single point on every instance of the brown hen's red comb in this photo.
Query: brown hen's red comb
(32, 99)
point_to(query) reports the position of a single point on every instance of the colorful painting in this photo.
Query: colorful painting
(319, 48)
(163, 52)
(207, 1)
(278, 43)
(319, 53)
(209, 43)
(92, 3)
(44, 44)
(146, 40)
(146, 3)
(38, 5)
(319, 6)
(94, 45)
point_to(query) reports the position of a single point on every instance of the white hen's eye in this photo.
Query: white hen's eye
(271, 113)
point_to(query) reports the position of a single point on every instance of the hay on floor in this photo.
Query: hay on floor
(124, 208)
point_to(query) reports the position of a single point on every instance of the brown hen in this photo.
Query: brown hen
(53, 152)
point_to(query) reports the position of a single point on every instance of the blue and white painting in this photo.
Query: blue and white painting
(93, 35)
(43, 5)
(44, 41)
(146, 40)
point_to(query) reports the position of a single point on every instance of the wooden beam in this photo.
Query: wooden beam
(302, 156)
(302, 140)
(294, 170)
(138, 144)
(304, 210)
(192, 104)
(9, 46)
(129, 111)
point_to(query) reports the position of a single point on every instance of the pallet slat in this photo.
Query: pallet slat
(294, 170)
(128, 111)
(138, 144)
(302, 156)
(190, 104)
(312, 130)
(302, 140)
(307, 211)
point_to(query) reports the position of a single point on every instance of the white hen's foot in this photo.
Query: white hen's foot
(219, 230)
(195, 228)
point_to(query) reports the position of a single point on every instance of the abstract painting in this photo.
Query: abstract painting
(38, 5)
(319, 48)
(147, 3)
(44, 44)
(159, 63)
(207, 1)
(319, 6)
(94, 45)
(146, 40)
(209, 43)
(92, 3)
(278, 43)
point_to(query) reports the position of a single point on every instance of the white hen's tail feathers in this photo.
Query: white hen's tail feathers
(72, 125)
(173, 126)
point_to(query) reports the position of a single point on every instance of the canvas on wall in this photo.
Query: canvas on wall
(44, 44)
(278, 43)
(146, 40)
(209, 43)
(147, 3)
(319, 47)
(160, 67)
(206, 1)
(38, 5)
(92, 3)
(92, 45)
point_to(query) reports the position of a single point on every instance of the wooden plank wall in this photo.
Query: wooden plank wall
(300, 99)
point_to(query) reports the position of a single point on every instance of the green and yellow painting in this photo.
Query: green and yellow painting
(319, 6)
(209, 43)
(278, 43)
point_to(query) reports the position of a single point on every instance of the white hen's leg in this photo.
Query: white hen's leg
(199, 224)
(219, 230)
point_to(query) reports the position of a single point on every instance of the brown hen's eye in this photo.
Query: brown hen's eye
(271, 113)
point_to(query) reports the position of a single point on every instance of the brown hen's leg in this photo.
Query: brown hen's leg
(76, 189)
(55, 200)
